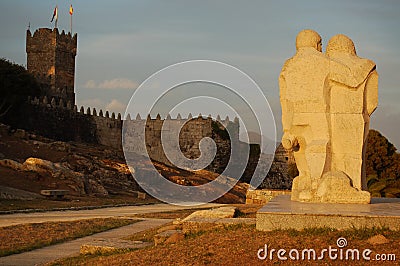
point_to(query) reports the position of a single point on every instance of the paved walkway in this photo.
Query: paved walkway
(127, 211)
(51, 253)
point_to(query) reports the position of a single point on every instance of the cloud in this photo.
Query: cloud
(97, 103)
(90, 84)
(117, 83)
(112, 106)
(116, 106)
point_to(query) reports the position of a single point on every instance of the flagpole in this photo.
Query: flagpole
(71, 11)
(71, 24)
(56, 16)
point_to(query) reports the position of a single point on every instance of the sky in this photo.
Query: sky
(123, 42)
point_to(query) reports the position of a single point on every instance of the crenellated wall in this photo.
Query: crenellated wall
(159, 133)
(56, 119)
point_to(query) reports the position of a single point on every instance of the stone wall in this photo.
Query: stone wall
(191, 132)
(282, 171)
(55, 119)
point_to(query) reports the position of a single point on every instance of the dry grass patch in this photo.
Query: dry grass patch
(25, 237)
(147, 235)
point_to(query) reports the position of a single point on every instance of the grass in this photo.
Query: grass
(242, 242)
(25, 237)
(147, 235)
(353, 233)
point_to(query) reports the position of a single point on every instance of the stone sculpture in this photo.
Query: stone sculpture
(326, 102)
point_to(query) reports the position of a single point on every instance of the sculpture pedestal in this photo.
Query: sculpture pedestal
(282, 213)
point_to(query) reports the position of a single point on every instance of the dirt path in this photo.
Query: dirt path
(40, 217)
(47, 254)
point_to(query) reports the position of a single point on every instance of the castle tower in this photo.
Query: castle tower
(51, 59)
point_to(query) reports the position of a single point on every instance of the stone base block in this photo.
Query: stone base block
(282, 213)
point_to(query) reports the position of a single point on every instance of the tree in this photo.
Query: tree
(382, 166)
(16, 84)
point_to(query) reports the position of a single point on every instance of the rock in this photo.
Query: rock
(101, 177)
(139, 195)
(378, 240)
(263, 196)
(2, 156)
(77, 188)
(4, 129)
(96, 250)
(335, 187)
(174, 238)
(56, 170)
(60, 146)
(12, 164)
(59, 170)
(169, 236)
(218, 213)
(20, 133)
(200, 225)
(205, 220)
(106, 246)
(97, 188)
(39, 165)
(167, 227)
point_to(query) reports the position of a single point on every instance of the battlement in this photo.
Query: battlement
(61, 104)
(39, 41)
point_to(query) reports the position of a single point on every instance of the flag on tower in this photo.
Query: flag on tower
(55, 14)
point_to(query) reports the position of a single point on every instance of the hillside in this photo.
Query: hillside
(93, 174)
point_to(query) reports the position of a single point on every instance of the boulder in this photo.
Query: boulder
(217, 213)
(12, 164)
(39, 165)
